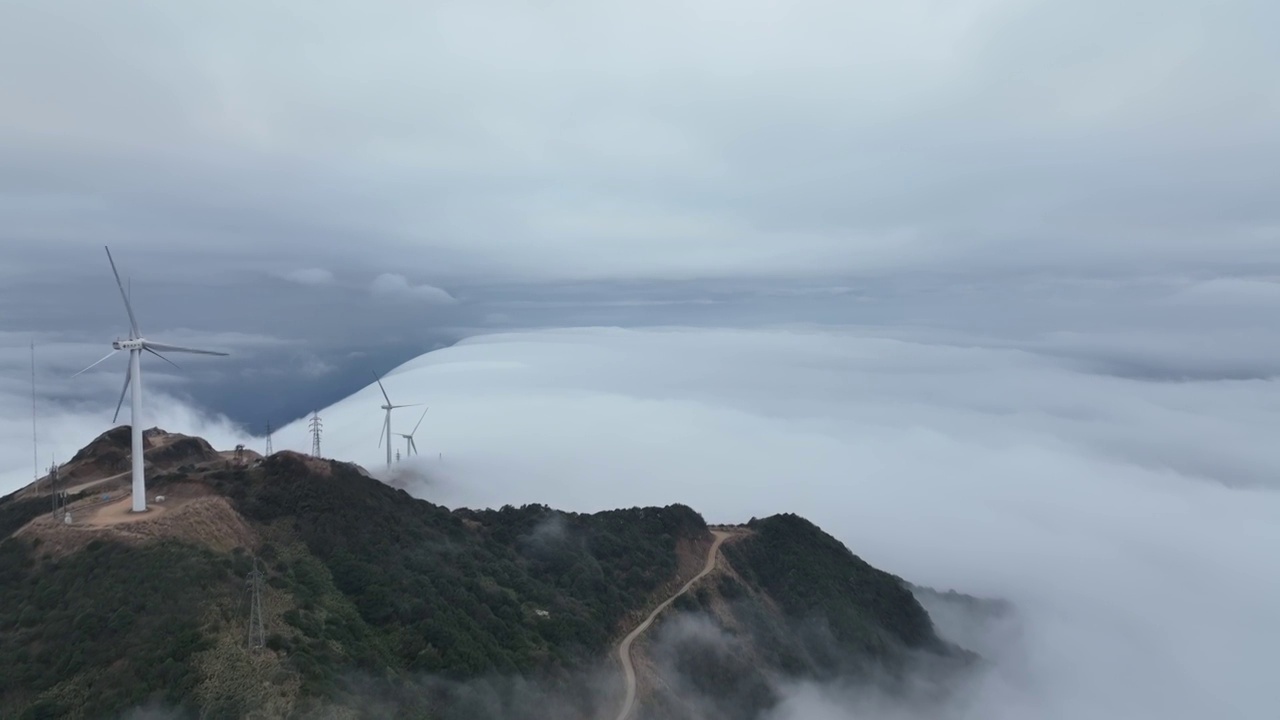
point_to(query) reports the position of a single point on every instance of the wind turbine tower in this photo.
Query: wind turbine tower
(136, 345)
(409, 447)
(386, 422)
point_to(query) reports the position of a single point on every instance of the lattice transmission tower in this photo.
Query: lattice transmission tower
(58, 495)
(316, 428)
(269, 450)
(257, 629)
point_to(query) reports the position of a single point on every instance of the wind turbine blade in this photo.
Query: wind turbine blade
(383, 431)
(133, 321)
(409, 405)
(176, 348)
(113, 352)
(384, 390)
(153, 352)
(415, 427)
(413, 446)
(127, 378)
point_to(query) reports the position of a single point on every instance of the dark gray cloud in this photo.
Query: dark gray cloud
(384, 180)
(486, 140)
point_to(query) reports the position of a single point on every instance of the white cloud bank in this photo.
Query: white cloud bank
(66, 427)
(1134, 523)
(397, 287)
(71, 412)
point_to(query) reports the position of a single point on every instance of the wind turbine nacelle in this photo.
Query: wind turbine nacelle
(135, 344)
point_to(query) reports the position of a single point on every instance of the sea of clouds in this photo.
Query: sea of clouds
(1133, 523)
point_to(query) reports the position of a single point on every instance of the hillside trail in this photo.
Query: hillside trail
(92, 483)
(624, 647)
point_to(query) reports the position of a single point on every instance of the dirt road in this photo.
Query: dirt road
(624, 648)
(99, 481)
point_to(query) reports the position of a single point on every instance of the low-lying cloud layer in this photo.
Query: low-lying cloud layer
(1132, 522)
(70, 412)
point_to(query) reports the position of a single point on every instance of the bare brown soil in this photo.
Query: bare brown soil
(248, 456)
(104, 463)
(709, 562)
(104, 484)
(190, 512)
(319, 466)
(648, 680)
(691, 556)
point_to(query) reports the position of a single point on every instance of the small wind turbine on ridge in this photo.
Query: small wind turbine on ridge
(136, 345)
(386, 422)
(409, 446)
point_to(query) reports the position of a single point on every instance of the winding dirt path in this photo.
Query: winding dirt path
(624, 647)
(92, 483)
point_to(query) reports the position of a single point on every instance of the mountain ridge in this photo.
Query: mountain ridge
(373, 593)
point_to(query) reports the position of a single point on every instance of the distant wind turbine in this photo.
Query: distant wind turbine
(409, 446)
(386, 422)
(136, 345)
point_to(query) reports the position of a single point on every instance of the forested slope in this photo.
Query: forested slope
(378, 604)
(367, 582)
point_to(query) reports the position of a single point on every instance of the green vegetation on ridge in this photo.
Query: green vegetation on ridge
(812, 575)
(459, 594)
(109, 627)
(840, 616)
(373, 593)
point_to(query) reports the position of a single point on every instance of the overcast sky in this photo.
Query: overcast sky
(989, 288)
(467, 141)
(346, 187)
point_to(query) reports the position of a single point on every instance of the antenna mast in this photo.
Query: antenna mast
(35, 443)
(316, 428)
(269, 440)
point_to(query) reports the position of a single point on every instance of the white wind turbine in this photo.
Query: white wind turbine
(386, 422)
(409, 446)
(136, 345)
